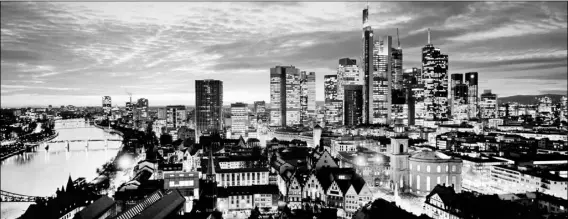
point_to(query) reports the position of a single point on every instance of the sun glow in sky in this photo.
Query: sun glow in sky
(77, 52)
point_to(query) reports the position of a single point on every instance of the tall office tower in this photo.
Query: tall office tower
(107, 104)
(333, 106)
(397, 72)
(456, 100)
(347, 74)
(471, 79)
(435, 78)
(367, 67)
(143, 107)
(488, 105)
(129, 114)
(175, 116)
(459, 102)
(260, 111)
(409, 82)
(353, 105)
(208, 107)
(239, 119)
(382, 81)
(563, 108)
(162, 113)
(308, 96)
(285, 94)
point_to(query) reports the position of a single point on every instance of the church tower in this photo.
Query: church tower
(208, 196)
(398, 153)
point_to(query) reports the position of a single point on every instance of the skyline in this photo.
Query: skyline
(55, 50)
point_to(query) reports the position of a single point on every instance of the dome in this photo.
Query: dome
(431, 155)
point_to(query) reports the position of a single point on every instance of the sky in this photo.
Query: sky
(76, 52)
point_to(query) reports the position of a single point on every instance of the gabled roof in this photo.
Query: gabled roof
(447, 194)
(98, 208)
(343, 185)
(163, 207)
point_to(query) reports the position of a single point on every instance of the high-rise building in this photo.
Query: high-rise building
(382, 81)
(488, 105)
(285, 92)
(459, 102)
(107, 104)
(260, 111)
(458, 97)
(471, 80)
(367, 67)
(308, 96)
(208, 107)
(142, 106)
(435, 78)
(333, 106)
(353, 105)
(175, 115)
(162, 113)
(397, 72)
(410, 81)
(347, 74)
(239, 119)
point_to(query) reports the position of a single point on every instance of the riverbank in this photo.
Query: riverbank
(20, 147)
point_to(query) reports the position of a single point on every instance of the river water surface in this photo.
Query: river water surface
(40, 173)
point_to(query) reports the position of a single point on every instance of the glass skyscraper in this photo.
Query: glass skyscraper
(208, 107)
(435, 79)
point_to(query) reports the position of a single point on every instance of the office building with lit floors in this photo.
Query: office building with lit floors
(208, 107)
(431, 168)
(239, 120)
(285, 95)
(488, 105)
(353, 105)
(435, 79)
(471, 80)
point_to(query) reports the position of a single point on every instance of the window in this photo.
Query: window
(446, 168)
(410, 180)
(172, 184)
(453, 168)
(418, 168)
(410, 166)
(439, 169)
(438, 180)
(428, 168)
(417, 181)
(428, 183)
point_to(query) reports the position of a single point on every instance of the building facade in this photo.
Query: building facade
(430, 168)
(435, 79)
(285, 95)
(208, 106)
(353, 105)
(239, 119)
(471, 80)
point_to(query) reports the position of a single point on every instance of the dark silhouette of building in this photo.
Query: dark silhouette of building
(353, 104)
(208, 106)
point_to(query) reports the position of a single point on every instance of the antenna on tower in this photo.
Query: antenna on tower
(428, 35)
(397, 38)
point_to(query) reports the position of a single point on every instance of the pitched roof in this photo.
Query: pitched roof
(447, 194)
(163, 207)
(99, 207)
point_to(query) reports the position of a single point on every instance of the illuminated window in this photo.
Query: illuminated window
(439, 169)
(428, 168)
(418, 168)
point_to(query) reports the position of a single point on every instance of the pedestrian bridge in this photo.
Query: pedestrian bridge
(14, 197)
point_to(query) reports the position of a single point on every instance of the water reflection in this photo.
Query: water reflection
(41, 172)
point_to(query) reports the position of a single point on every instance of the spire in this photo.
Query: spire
(397, 38)
(428, 35)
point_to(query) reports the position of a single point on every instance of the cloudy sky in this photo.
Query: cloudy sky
(74, 53)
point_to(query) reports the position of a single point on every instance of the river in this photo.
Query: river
(40, 173)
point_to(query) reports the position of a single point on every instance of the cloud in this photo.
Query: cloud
(158, 49)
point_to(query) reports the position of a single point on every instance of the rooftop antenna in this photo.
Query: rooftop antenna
(428, 35)
(397, 38)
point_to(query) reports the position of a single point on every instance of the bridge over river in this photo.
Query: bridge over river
(39, 173)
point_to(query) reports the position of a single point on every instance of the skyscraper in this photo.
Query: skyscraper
(435, 78)
(208, 106)
(308, 96)
(142, 106)
(107, 104)
(239, 119)
(367, 67)
(410, 82)
(382, 81)
(285, 93)
(471, 79)
(175, 116)
(353, 105)
(488, 105)
(333, 106)
(347, 74)
(459, 102)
